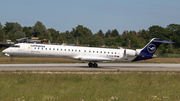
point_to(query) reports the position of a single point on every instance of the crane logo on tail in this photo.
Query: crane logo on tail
(151, 48)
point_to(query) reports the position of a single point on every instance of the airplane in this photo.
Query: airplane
(90, 54)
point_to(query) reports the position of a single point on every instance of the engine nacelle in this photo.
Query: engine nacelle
(138, 51)
(128, 52)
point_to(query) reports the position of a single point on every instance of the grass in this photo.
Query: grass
(26, 60)
(161, 60)
(89, 86)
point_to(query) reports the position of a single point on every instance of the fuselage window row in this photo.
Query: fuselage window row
(76, 50)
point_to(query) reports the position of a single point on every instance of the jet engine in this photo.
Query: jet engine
(128, 52)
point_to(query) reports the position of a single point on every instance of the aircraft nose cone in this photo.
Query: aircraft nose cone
(4, 51)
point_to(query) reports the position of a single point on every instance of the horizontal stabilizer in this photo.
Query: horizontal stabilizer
(161, 41)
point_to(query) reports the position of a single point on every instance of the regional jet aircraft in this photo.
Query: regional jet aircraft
(90, 54)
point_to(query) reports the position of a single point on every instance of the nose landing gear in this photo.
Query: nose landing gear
(92, 65)
(12, 58)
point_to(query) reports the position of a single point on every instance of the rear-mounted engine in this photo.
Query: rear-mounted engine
(128, 52)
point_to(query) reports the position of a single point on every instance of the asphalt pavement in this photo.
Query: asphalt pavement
(84, 67)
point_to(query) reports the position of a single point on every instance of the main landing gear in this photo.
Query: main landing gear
(92, 65)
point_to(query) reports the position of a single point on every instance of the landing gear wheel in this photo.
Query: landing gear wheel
(12, 59)
(90, 64)
(95, 65)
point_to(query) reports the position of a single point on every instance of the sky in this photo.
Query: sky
(63, 15)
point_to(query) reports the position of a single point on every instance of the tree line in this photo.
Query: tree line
(112, 38)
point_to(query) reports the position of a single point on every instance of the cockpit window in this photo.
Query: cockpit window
(16, 46)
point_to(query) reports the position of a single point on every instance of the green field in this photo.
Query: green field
(89, 86)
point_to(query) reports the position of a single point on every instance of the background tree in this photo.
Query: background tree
(173, 27)
(84, 34)
(8, 27)
(37, 29)
(8, 34)
(144, 34)
(17, 27)
(173, 31)
(17, 32)
(96, 41)
(27, 31)
(61, 38)
(135, 39)
(118, 40)
(157, 32)
(70, 37)
(54, 35)
(44, 34)
(114, 33)
(1, 32)
(101, 34)
(110, 41)
(108, 34)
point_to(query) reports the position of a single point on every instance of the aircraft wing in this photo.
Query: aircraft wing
(94, 59)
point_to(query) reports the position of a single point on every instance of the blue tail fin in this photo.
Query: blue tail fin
(148, 51)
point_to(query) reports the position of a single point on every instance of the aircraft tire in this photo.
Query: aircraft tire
(95, 65)
(12, 59)
(90, 64)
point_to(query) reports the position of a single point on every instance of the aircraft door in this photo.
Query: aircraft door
(26, 48)
(118, 55)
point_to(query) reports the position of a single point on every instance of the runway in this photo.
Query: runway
(84, 67)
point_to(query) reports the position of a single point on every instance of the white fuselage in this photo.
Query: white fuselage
(73, 52)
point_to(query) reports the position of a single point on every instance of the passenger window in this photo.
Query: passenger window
(93, 51)
(89, 51)
(53, 48)
(111, 52)
(75, 50)
(57, 49)
(72, 50)
(104, 52)
(84, 50)
(34, 47)
(61, 49)
(79, 50)
(97, 51)
(38, 48)
(101, 52)
(115, 52)
(42, 48)
(108, 52)
(49, 48)
(68, 49)
(46, 48)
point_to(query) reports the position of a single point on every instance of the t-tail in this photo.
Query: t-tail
(148, 51)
